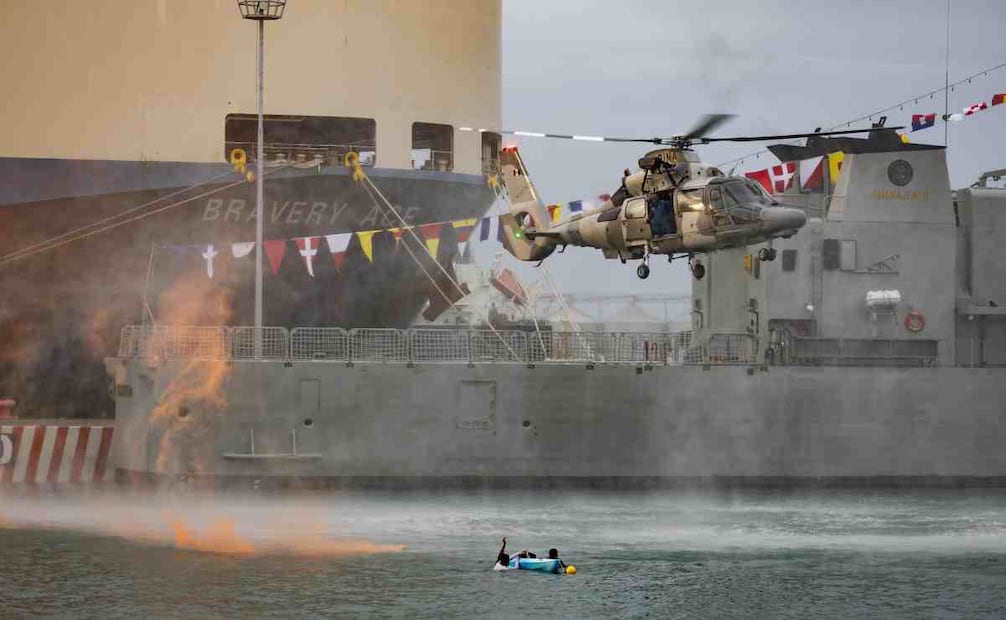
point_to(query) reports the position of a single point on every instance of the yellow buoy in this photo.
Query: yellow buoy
(570, 570)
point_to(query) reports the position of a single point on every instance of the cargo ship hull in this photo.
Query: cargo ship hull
(130, 236)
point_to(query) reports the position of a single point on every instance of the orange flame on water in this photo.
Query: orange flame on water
(249, 530)
(220, 537)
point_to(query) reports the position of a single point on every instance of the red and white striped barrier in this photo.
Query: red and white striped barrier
(55, 454)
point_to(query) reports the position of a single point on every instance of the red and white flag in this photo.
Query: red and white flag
(463, 229)
(761, 176)
(812, 173)
(337, 245)
(978, 107)
(308, 247)
(782, 176)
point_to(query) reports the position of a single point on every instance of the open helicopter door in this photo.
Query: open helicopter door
(527, 214)
(635, 225)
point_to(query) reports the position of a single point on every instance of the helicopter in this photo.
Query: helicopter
(674, 205)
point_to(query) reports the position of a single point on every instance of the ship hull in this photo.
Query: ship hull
(131, 241)
(372, 425)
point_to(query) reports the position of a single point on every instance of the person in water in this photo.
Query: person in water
(502, 559)
(553, 554)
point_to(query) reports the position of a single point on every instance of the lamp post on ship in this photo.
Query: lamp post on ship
(260, 11)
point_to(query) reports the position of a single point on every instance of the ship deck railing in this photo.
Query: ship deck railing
(432, 346)
(329, 153)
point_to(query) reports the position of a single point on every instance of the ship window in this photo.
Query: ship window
(830, 254)
(432, 147)
(302, 138)
(789, 260)
(491, 144)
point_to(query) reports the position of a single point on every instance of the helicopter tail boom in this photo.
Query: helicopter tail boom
(525, 228)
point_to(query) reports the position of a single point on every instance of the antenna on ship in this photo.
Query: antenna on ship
(946, 86)
(260, 11)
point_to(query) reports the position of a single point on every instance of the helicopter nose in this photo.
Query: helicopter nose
(783, 218)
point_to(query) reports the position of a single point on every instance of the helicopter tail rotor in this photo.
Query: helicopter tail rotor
(524, 230)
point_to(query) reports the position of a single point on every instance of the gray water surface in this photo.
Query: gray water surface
(669, 554)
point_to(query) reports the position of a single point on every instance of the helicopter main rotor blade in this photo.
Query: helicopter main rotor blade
(695, 136)
(704, 126)
(562, 136)
(795, 135)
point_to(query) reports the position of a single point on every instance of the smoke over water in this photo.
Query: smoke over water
(238, 526)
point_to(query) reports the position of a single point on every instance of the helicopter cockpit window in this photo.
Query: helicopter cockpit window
(740, 192)
(717, 208)
(743, 201)
(716, 200)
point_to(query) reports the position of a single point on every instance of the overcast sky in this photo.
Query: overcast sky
(651, 67)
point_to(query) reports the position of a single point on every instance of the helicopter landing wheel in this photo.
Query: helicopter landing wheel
(766, 254)
(643, 271)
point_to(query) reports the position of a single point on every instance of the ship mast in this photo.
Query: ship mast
(260, 11)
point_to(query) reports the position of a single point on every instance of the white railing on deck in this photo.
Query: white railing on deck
(378, 345)
(175, 342)
(431, 345)
(319, 343)
(274, 343)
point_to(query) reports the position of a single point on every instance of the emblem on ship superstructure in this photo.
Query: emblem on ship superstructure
(900, 172)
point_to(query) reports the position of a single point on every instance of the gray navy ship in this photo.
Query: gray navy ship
(873, 352)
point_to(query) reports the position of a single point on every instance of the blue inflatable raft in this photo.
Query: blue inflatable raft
(543, 565)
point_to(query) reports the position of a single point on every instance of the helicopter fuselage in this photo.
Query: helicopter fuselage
(675, 205)
(700, 215)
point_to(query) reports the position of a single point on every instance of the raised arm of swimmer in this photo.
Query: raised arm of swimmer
(502, 558)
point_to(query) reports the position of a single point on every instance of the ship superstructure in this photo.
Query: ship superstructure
(893, 268)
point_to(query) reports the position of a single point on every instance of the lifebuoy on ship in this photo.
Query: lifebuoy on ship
(915, 321)
(6, 449)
